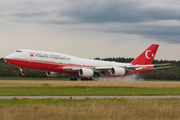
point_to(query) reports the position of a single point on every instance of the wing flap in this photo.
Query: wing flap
(102, 68)
(71, 68)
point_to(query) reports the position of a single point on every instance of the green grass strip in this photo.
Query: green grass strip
(40, 79)
(89, 109)
(87, 91)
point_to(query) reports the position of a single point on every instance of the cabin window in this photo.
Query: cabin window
(18, 51)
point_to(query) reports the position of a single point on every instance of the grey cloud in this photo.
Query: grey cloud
(106, 12)
(129, 12)
(166, 34)
(94, 11)
(29, 15)
(160, 33)
(100, 12)
(121, 12)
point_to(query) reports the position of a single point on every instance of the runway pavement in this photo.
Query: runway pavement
(83, 97)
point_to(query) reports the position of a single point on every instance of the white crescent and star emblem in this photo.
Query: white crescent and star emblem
(146, 54)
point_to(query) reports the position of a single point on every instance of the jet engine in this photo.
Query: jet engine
(85, 72)
(118, 71)
(54, 74)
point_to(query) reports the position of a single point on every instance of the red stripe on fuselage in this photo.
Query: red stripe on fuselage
(43, 66)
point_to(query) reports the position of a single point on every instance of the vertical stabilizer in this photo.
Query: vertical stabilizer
(147, 56)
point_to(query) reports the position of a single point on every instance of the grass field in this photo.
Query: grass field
(20, 91)
(32, 87)
(89, 109)
(27, 78)
(49, 83)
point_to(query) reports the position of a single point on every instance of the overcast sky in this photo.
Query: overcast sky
(91, 28)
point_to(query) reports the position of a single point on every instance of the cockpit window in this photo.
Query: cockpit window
(18, 51)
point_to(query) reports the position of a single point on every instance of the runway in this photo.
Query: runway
(83, 97)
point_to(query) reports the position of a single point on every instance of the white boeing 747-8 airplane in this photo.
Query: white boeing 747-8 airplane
(58, 64)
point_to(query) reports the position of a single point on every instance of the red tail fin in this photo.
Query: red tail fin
(147, 56)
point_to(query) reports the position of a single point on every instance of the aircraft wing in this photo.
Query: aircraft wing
(128, 68)
(105, 70)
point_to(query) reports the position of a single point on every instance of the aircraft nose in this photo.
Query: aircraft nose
(9, 57)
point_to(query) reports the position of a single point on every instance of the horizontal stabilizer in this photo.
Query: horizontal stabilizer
(162, 64)
(156, 68)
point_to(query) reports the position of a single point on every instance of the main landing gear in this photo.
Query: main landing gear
(87, 79)
(82, 79)
(73, 79)
(21, 72)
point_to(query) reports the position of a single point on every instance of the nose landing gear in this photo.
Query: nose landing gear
(21, 72)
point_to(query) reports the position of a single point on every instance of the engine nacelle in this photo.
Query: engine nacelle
(54, 74)
(85, 72)
(118, 71)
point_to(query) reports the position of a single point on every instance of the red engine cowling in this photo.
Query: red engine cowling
(85, 72)
(54, 74)
(118, 71)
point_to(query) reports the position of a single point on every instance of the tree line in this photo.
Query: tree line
(173, 73)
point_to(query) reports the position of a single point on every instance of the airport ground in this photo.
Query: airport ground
(89, 108)
(55, 88)
(57, 83)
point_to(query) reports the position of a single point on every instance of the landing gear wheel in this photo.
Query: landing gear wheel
(21, 74)
(90, 79)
